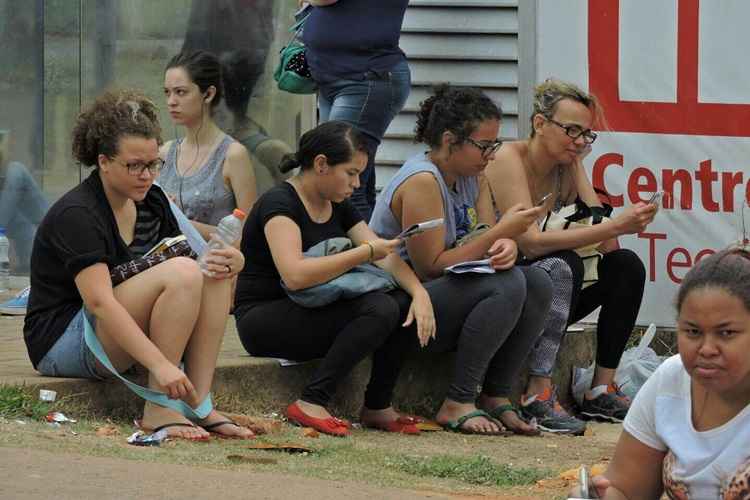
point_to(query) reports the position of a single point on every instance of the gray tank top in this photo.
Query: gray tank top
(459, 203)
(202, 196)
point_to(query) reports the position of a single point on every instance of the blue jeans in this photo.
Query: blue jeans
(22, 207)
(369, 105)
(70, 356)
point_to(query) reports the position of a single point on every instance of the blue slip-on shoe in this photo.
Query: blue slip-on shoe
(17, 305)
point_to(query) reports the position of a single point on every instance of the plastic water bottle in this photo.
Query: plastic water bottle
(228, 231)
(4, 262)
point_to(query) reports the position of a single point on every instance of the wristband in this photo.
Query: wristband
(372, 250)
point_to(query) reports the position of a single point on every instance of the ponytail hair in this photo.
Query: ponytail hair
(337, 140)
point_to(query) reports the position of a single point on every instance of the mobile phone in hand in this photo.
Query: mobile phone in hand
(656, 199)
(543, 199)
(420, 228)
(586, 490)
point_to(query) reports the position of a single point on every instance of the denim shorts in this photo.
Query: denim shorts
(70, 356)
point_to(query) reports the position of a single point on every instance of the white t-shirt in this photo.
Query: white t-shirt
(713, 464)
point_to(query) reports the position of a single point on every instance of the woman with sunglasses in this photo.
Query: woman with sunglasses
(159, 318)
(550, 161)
(491, 320)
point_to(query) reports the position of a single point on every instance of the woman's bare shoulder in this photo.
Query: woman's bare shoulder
(508, 162)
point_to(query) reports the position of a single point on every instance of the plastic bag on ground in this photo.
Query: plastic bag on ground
(636, 366)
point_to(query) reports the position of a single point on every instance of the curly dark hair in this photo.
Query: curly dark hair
(728, 270)
(111, 116)
(458, 110)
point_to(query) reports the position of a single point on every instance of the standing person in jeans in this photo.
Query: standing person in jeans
(22, 207)
(22, 204)
(550, 161)
(352, 48)
(490, 320)
(286, 222)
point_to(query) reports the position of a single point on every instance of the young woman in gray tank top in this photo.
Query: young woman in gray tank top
(206, 173)
(490, 320)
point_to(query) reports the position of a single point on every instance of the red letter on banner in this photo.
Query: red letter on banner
(636, 187)
(672, 263)
(706, 176)
(597, 175)
(652, 237)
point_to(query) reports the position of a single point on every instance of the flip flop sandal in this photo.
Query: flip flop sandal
(210, 428)
(499, 410)
(457, 425)
(172, 424)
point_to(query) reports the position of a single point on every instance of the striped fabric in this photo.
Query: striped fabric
(147, 226)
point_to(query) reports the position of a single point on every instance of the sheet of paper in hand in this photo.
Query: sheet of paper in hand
(472, 266)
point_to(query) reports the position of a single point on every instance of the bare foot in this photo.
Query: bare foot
(155, 416)
(220, 424)
(451, 411)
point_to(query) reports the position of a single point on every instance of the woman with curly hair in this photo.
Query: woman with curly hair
(158, 318)
(550, 161)
(490, 320)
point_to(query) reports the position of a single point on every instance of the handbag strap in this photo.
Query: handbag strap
(156, 397)
(296, 29)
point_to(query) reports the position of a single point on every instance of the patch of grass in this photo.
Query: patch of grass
(479, 470)
(15, 402)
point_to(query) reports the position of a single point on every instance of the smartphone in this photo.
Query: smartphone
(585, 489)
(543, 200)
(656, 199)
(420, 228)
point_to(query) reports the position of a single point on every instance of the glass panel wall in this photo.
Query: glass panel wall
(58, 55)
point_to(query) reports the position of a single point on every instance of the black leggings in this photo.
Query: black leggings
(476, 315)
(490, 320)
(618, 291)
(343, 334)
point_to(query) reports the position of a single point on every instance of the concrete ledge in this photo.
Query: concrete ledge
(260, 385)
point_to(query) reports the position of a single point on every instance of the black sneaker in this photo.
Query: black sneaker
(612, 405)
(549, 415)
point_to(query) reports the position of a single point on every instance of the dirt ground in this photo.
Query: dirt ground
(40, 475)
(37, 461)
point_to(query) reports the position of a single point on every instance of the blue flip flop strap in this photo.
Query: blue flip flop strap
(156, 397)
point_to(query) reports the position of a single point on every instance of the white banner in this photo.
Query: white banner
(678, 116)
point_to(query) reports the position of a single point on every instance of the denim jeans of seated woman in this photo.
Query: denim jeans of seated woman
(370, 105)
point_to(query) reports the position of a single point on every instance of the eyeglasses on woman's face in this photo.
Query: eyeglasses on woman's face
(137, 168)
(575, 131)
(486, 148)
